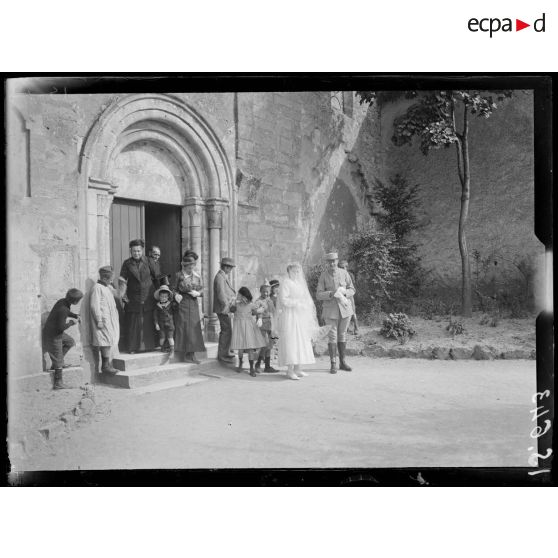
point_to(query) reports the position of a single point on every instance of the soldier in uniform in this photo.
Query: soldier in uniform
(335, 287)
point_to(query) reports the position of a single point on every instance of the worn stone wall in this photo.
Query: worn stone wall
(45, 136)
(303, 169)
(501, 215)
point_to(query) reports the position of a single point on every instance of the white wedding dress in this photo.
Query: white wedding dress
(296, 321)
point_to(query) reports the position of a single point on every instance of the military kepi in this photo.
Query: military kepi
(331, 256)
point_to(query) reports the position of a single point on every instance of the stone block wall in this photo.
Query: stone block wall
(46, 223)
(303, 171)
(501, 214)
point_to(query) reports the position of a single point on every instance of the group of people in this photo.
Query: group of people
(168, 312)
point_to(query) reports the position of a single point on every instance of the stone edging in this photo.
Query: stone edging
(431, 352)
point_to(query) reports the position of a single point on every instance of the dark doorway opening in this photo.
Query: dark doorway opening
(158, 224)
(162, 229)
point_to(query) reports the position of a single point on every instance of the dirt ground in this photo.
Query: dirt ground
(30, 410)
(386, 413)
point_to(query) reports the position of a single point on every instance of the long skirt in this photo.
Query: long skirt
(188, 336)
(139, 331)
(246, 334)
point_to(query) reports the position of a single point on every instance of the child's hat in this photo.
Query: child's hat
(274, 282)
(265, 284)
(164, 289)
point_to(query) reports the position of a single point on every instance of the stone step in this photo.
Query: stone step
(172, 384)
(157, 373)
(126, 362)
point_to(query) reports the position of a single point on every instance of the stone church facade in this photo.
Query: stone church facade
(266, 178)
(244, 175)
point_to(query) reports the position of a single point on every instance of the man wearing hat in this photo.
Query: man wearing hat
(335, 287)
(55, 340)
(223, 296)
(105, 326)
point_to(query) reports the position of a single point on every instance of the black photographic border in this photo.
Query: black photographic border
(543, 86)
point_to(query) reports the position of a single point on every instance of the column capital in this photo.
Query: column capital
(194, 202)
(216, 202)
(214, 219)
(103, 185)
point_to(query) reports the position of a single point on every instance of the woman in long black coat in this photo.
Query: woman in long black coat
(139, 277)
(187, 288)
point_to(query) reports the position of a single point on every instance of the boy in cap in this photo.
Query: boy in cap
(265, 324)
(335, 286)
(163, 316)
(105, 325)
(55, 341)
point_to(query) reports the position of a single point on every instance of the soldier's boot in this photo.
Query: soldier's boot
(58, 383)
(332, 357)
(268, 367)
(106, 367)
(259, 364)
(342, 362)
(240, 357)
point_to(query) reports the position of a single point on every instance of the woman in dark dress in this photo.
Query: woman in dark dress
(138, 276)
(187, 287)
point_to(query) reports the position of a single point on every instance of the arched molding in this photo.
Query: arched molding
(167, 123)
(155, 113)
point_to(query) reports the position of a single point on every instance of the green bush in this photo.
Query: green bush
(312, 277)
(399, 327)
(371, 252)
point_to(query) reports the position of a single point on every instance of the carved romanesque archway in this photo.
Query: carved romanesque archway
(208, 202)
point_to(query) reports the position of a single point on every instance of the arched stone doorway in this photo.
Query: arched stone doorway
(193, 174)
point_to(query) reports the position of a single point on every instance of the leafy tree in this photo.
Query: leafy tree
(440, 119)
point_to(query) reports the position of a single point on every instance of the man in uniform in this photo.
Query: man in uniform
(335, 287)
(344, 264)
(223, 296)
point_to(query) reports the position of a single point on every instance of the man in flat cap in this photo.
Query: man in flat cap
(105, 326)
(335, 287)
(223, 296)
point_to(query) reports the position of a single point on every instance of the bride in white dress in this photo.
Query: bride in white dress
(297, 323)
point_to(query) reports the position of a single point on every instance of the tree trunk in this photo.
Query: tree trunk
(466, 299)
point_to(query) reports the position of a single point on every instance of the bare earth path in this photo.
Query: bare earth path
(386, 413)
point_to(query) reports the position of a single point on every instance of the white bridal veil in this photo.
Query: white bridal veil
(305, 307)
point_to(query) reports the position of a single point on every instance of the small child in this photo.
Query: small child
(163, 317)
(267, 316)
(55, 341)
(274, 336)
(246, 335)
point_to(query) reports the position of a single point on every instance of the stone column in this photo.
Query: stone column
(214, 224)
(195, 229)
